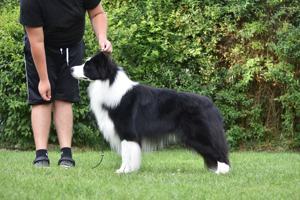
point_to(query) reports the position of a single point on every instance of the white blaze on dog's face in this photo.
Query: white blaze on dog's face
(77, 72)
(99, 67)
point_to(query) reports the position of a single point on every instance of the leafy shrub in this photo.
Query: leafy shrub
(243, 54)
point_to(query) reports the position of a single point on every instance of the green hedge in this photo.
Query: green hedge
(243, 54)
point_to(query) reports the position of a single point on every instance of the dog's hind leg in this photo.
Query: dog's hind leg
(131, 157)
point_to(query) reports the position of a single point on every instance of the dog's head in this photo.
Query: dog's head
(99, 67)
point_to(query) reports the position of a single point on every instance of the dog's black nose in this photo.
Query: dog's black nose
(71, 70)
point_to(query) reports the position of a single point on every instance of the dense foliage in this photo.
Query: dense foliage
(244, 54)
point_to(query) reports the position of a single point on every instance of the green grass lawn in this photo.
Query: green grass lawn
(169, 174)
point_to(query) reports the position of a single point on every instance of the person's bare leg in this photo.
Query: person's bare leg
(63, 119)
(40, 122)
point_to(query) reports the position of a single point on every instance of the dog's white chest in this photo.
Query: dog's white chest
(105, 124)
(102, 93)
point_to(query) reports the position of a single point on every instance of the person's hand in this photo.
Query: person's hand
(45, 89)
(105, 45)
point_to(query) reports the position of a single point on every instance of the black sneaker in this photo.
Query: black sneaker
(66, 162)
(41, 161)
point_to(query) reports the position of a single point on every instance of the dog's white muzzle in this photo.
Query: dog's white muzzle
(78, 73)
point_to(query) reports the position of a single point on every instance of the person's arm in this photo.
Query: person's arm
(36, 39)
(99, 22)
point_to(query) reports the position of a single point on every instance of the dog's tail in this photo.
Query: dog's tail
(207, 137)
(219, 161)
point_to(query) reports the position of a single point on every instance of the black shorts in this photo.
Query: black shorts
(59, 61)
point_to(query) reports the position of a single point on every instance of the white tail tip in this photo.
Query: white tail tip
(223, 168)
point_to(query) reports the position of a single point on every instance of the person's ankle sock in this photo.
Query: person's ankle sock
(41, 152)
(66, 152)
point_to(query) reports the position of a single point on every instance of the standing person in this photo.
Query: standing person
(53, 43)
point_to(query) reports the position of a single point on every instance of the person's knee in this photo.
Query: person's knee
(41, 107)
(61, 103)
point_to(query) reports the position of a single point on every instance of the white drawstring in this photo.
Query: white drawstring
(67, 56)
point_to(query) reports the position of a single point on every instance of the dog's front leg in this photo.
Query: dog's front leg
(125, 153)
(131, 157)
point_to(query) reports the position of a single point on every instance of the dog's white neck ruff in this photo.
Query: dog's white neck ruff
(102, 93)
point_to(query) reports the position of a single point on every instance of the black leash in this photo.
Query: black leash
(101, 158)
(101, 155)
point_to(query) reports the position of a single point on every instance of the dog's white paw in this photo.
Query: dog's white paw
(119, 171)
(223, 168)
(124, 169)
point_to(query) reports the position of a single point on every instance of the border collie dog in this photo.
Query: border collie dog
(133, 117)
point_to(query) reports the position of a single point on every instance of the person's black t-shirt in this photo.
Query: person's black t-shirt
(63, 21)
